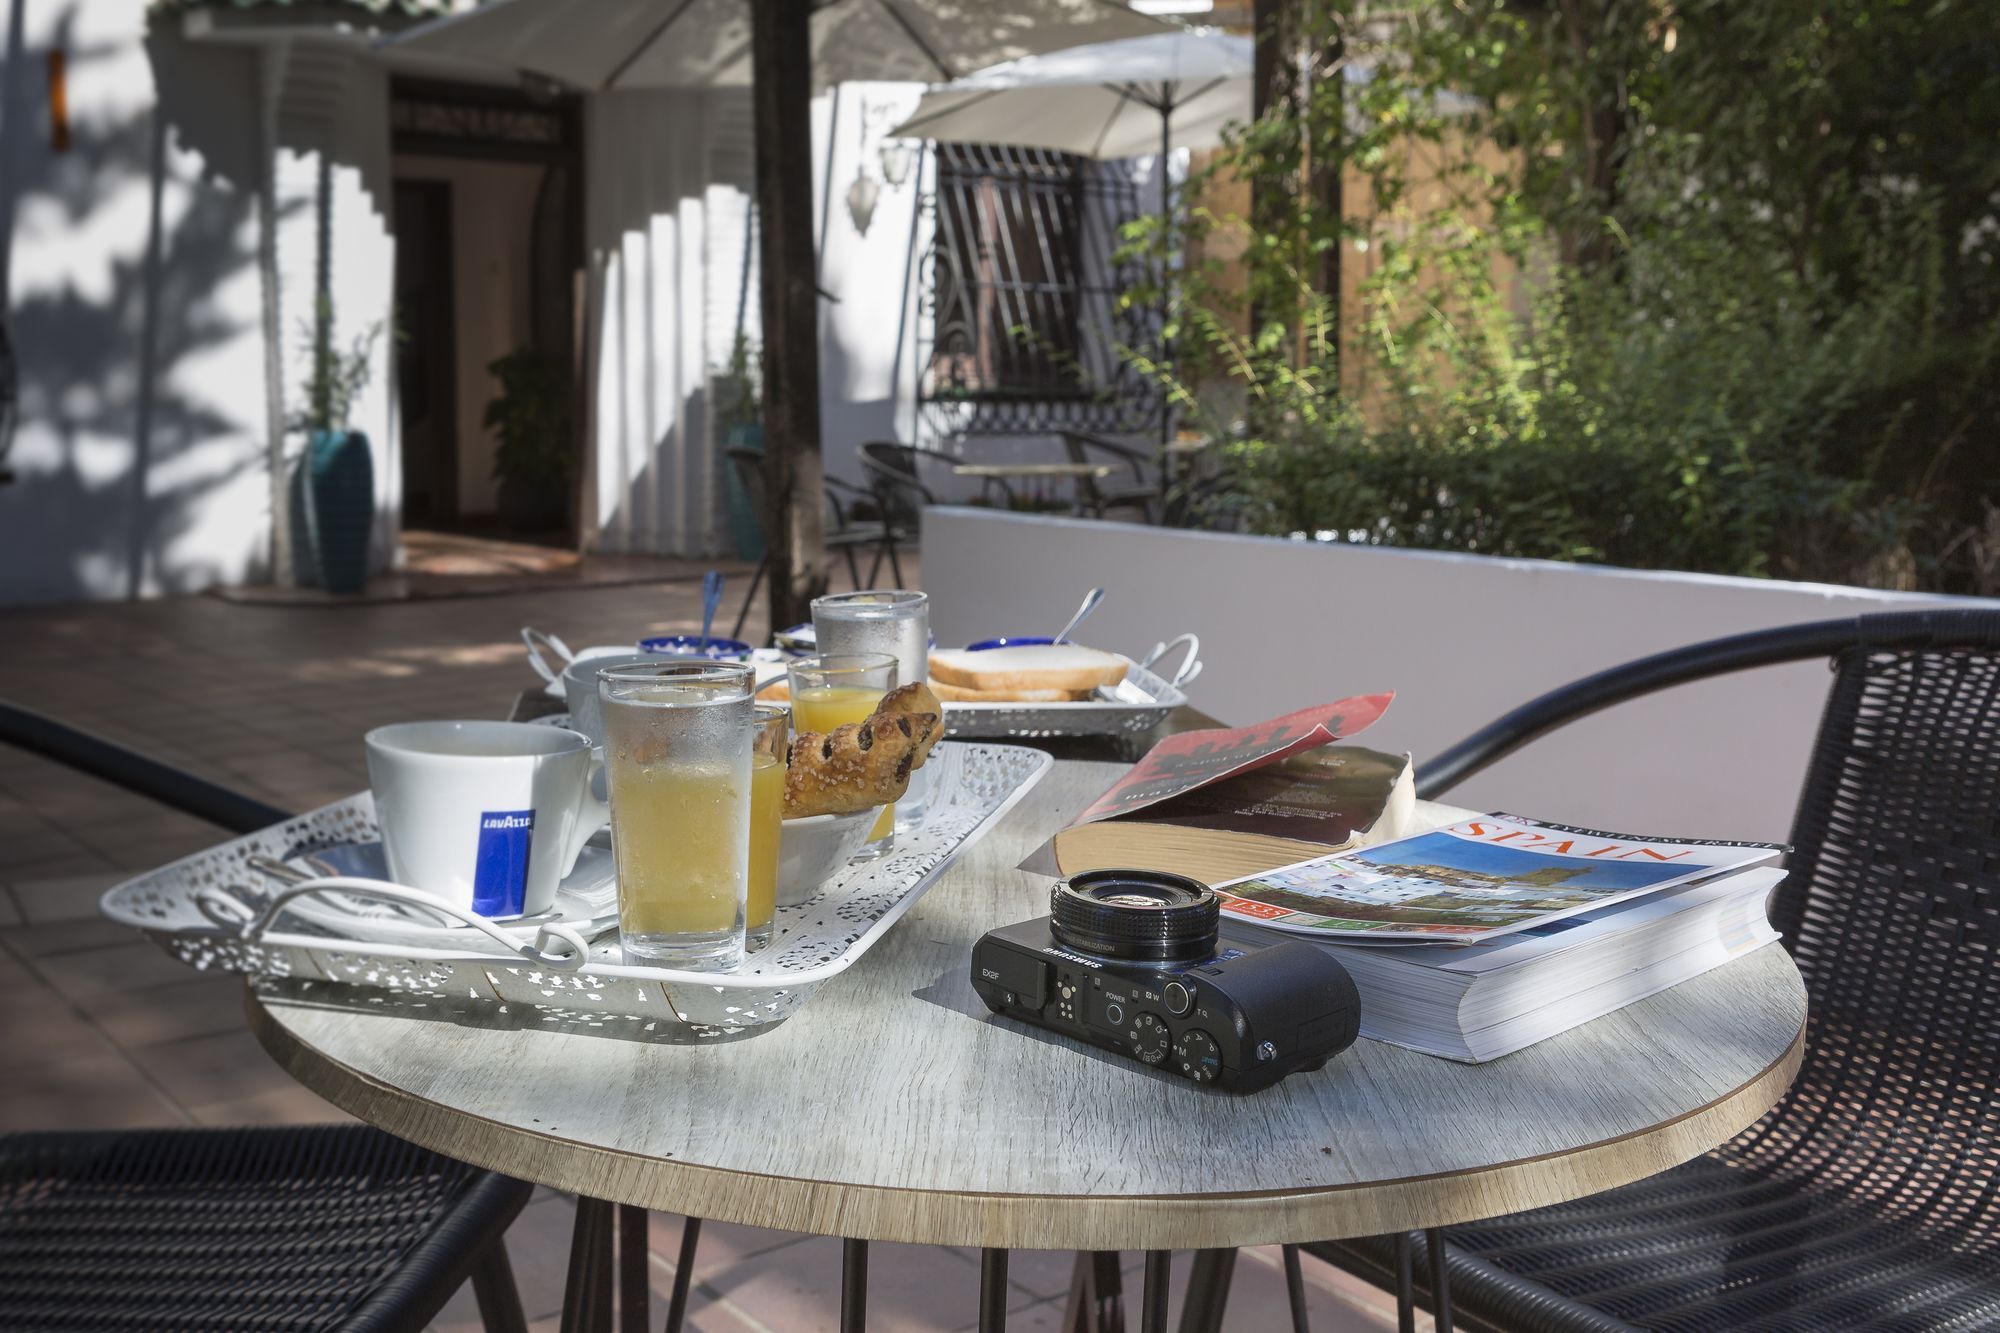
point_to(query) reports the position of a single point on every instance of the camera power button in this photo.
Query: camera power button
(1179, 997)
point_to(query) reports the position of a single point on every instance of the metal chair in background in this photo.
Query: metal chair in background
(312, 1227)
(1867, 1199)
(895, 476)
(843, 533)
(1133, 486)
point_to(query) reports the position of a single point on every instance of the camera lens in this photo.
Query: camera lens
(1136, 915)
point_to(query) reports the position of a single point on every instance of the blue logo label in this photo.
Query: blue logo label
(500, 876)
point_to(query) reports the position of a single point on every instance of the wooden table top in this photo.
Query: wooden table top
(894, 1107)
(1035, 469)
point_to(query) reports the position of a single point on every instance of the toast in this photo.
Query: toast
(958, 694)
(1009, 672)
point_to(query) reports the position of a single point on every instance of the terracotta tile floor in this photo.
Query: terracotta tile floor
(105, 1031)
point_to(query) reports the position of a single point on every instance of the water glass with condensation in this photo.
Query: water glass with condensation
(678, 745)
(883, 620)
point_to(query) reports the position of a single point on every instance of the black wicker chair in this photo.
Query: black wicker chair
(316, 1227)
(1867, 1199)
(313, 1227)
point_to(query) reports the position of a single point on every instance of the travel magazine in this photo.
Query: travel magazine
(1476, 880)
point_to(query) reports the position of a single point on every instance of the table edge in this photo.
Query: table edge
(1022, 1221)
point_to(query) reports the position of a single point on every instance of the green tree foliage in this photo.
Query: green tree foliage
(1758, 327)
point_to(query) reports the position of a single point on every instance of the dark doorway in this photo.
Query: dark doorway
(489, 213)
(426, 357)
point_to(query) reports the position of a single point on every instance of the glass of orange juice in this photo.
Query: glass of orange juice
(678, 750)
(833, 689)
(770, 731)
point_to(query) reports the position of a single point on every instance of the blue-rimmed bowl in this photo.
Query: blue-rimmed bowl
(1008, 641)
(690, 645)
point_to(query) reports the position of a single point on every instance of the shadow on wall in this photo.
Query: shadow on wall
(70, 524)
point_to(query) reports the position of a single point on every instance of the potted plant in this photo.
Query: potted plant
(333, 488)
(532, 418)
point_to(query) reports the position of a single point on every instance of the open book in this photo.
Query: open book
(1475, 880)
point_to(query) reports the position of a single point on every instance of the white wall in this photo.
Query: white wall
(492, 224)
(127, 485)
(868, 318)
(82, 519)
(1461, 639)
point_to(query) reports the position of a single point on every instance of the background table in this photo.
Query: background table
(894, 1107)
(1006, 470)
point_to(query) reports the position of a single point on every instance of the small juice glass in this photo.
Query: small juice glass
(771, 733)
(678, 745)
(833, 689)
(895, 621)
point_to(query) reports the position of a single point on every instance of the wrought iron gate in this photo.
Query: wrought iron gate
(1022, 324)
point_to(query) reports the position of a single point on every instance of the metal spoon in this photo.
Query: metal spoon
(711, 598)
(1090, 601)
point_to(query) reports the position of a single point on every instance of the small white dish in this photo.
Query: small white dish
(815, 849)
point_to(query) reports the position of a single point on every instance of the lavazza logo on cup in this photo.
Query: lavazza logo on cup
(500, 873)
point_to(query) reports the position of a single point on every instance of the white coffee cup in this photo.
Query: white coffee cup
(488, 816)
(579, 680)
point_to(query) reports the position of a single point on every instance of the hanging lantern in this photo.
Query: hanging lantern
(896, 157)
(861, 198)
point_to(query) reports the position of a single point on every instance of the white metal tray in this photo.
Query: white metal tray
(216, 910)
(1136, 705)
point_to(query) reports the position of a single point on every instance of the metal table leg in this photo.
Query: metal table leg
(1295, 1290)
(1440, 1279)
(992, 1291)
(1096, 1294)
(853, 1286)
(1153, 1306)
(634, 1292)
(1207, 1291)
(677, 1304)
(1406, 1297)
(587, 1293)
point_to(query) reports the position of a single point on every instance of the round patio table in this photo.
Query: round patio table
(893, 1106)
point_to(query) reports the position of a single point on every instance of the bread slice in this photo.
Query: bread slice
(961, 695)
(1030, 666)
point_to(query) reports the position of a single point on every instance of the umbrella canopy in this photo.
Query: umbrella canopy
(1106, 100)
(606, 44)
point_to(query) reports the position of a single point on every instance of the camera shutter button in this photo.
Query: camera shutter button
(1179, 996)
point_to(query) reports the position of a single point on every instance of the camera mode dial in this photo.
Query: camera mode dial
(1150, 1038)
(1197, 1056)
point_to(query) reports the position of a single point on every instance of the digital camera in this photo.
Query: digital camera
(1136, 961)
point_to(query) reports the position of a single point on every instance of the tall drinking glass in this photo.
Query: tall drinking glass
(833, 689)
(678, 744)
(883, 620)
(771, 734)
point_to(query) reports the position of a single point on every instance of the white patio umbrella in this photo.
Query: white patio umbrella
(1119, 98)
(605, 44)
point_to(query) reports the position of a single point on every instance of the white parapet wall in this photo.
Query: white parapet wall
(1461, 639)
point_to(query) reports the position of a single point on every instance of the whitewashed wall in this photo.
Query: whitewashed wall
(1461, 639)
(84, 517)
(127, 485)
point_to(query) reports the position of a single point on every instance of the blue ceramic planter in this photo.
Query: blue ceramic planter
(338, 503)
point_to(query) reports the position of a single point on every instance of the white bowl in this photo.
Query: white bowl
(812, 850)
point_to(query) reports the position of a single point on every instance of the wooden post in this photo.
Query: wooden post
(781, 66)
(1329, 159)
(1275, 88)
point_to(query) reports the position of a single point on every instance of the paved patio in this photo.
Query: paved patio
(105, 1031)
